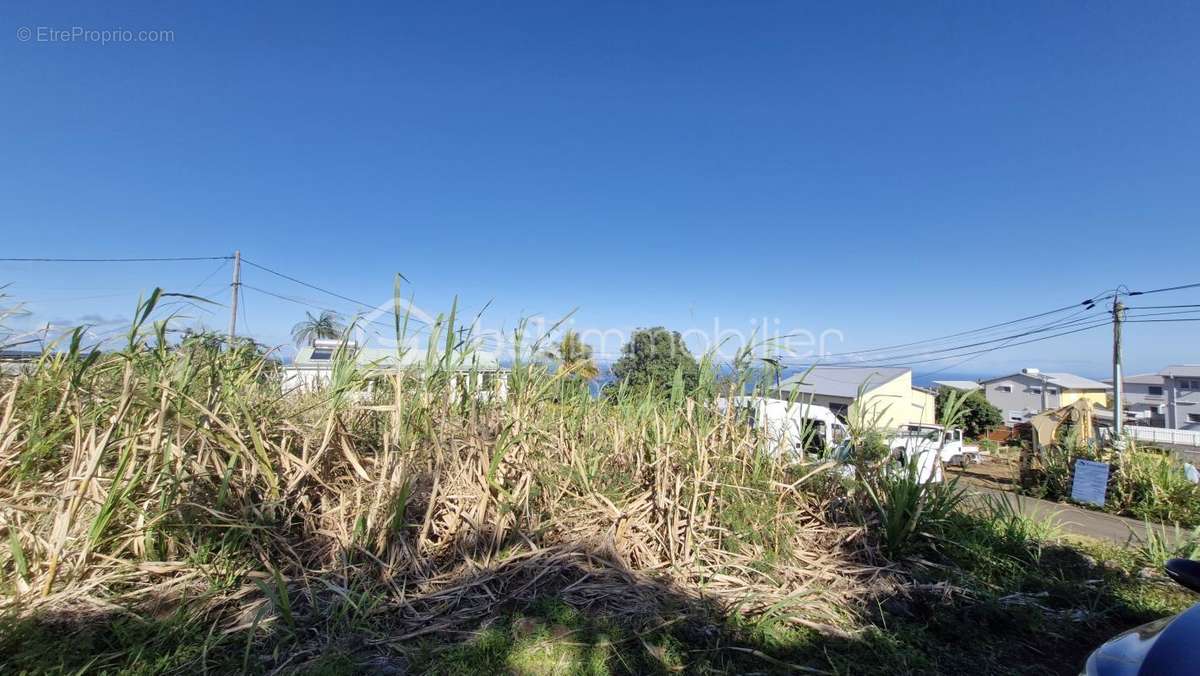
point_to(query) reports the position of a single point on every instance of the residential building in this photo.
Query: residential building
(964, 385)
(924, 406)
(312, 368)
(16, 362)
(1144, 397)
(1181, 386)
(888, 396)
(1020, 396)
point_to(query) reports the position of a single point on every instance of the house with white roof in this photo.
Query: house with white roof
(312, 369)
(1020, 396)
(962, 385)
(886, 393)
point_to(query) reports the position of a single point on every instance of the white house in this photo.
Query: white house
(1181, 386)
(312, 368)
(962, 385)
(1144, 396)
(1169, 398)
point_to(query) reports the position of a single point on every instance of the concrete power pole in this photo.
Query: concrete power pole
(1045, 384)
(237, 282)
(1118, 313)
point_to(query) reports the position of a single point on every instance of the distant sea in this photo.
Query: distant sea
(921, 379)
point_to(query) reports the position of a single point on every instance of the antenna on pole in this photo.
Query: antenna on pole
(233, 304)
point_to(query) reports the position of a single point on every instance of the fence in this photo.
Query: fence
(1159, 435)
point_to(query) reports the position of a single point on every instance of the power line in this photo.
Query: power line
(315, 287)
(314, 306)
(1087, 304)
(489, 342)
(1166, 313)
(242, 301)
(973, 357)
(212, 274)
(116, 260)
(993, 349)
(412, 332)
(1166, 288)
(1065, 322)
(410, 318)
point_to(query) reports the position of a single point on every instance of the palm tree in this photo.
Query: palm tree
(573, 354)
(327, 325)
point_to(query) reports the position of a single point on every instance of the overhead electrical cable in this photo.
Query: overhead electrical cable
(117, 260)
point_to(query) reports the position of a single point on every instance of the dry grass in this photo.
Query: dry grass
(158, 478)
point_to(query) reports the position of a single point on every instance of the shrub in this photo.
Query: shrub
(1143, 484)
(909, 509)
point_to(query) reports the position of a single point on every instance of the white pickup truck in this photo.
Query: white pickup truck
(928, 444)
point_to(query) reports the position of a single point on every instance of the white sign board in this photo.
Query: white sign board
(1091, 482)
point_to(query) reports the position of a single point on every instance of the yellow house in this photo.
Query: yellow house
(924, 403)
(884, 396)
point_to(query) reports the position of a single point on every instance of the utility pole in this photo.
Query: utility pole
(237, 282)
(1118, 313)
(1045, 384)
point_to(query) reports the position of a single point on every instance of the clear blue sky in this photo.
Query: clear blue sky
(894, 171)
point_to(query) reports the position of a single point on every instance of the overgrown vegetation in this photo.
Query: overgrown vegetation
(1144, 483)
(167, 509)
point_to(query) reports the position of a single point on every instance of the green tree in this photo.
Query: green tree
(327, 325)
(653, 357)
(978, 415)
(572, 354)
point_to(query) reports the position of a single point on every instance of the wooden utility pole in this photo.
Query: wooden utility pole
(1118, 313)
(237, 282)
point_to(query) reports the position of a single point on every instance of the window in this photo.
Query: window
(1154, 390)
(1051, 390)
(1189, 384)
(1194, 417)
(1004, 388)
(321, 354)
(1035, 390)
(1154, 410)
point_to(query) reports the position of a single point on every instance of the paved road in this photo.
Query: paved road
(1078, 521)
(996, 478)
(1071, 519)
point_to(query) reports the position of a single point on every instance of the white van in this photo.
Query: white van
(793, 428)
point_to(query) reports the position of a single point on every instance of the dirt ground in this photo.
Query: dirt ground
(995, 472)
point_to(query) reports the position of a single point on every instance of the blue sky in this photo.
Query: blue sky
(893, 172)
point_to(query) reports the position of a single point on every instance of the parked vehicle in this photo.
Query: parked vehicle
(793, 428)
(930, 447)
(1167, 646)
(948, 444)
